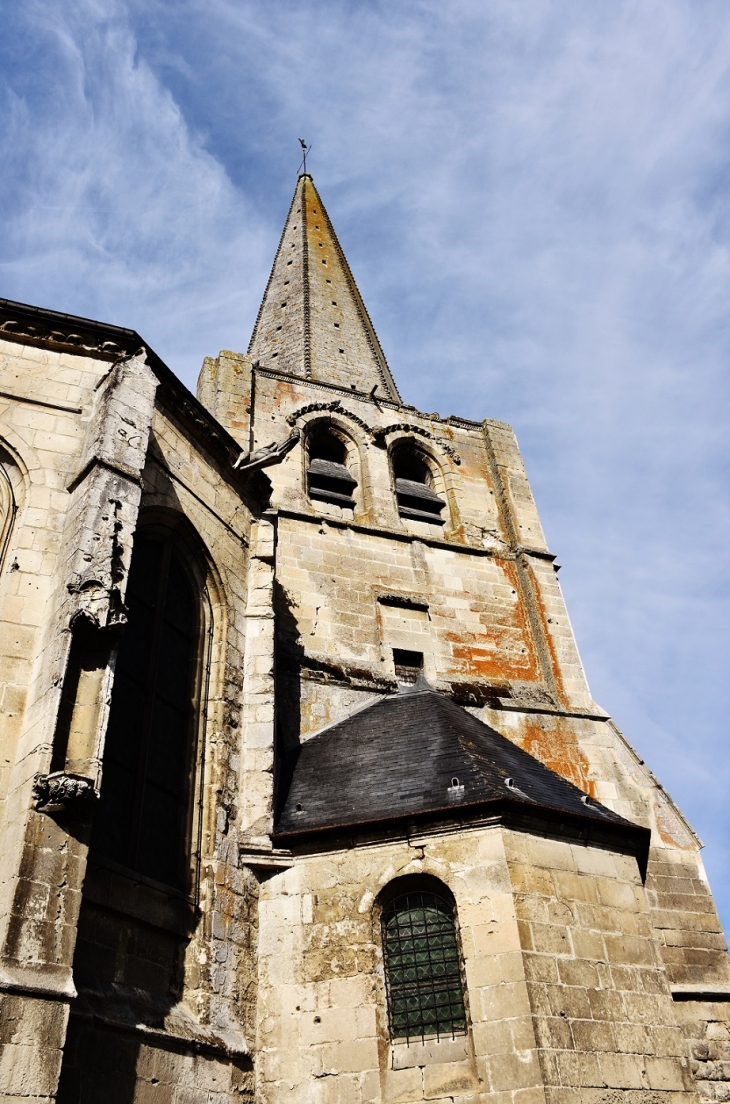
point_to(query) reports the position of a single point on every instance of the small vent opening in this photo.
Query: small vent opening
(408, 665)
(456, 789)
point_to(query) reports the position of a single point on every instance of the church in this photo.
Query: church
(304, 796)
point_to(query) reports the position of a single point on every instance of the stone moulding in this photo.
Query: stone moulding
(59, 792)
(334, 407)
(18, 329)
(509, 812)
(139, 1012)
(47, 980)
(381, 432)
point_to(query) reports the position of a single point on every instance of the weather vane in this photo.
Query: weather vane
(305, 151)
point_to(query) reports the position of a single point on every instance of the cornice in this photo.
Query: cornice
(68, 333)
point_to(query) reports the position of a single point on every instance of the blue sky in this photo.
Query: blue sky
(533, 197)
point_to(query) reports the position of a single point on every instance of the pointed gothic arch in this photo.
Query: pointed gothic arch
(150, 810)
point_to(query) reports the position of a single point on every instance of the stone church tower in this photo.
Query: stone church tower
(304, 795)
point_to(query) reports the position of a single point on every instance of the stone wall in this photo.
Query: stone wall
(86, 457)
(604, 1019)
(568, 997)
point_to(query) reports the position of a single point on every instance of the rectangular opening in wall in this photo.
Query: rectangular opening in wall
(407, 664)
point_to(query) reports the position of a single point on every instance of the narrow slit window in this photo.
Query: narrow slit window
(329, 479)
(415, 496)
(422, 968)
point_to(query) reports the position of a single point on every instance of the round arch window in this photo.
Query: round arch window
(328, 477)
(414, 492)
(422, 968)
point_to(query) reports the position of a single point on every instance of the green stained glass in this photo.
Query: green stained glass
(422, 971)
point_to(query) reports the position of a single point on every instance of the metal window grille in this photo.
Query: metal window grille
(422, 970)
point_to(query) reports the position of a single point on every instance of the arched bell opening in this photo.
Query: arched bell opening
(414, 480)
(329, 476)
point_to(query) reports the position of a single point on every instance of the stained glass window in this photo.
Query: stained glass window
(422, 971)
(143, 817)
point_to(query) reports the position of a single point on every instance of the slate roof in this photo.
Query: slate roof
(398, 758)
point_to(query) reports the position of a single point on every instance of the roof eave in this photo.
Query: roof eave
(624, 836)
(95, 341)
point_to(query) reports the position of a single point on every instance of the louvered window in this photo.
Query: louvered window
(414, 493)
(422, 970)
(328, 476)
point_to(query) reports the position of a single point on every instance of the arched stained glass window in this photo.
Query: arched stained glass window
(143, 819)
(422, 970)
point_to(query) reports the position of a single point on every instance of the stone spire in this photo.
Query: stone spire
(312, 322)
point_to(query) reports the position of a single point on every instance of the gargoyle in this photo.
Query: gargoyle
(268, 455)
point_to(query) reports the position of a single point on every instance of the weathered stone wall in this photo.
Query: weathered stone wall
(706, 1027)
(685, 919)
(604, 1020)
(81, 462)
(567, 993)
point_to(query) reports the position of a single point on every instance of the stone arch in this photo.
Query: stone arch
(421, 452)
(8, 510)
(334, 424)
(13, 487)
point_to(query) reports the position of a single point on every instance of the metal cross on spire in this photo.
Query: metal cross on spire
(305, 151)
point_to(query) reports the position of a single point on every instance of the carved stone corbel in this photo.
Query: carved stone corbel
(71, 794)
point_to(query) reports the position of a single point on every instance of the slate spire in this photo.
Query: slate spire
(312, 322)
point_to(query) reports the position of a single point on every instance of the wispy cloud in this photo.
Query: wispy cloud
(114, 207)
(533, 197)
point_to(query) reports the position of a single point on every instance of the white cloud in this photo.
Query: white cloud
(118, 211)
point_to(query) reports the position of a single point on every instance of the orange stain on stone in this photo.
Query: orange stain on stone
(558, 749)
(501, 651)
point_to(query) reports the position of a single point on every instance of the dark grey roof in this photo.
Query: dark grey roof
(399, 758)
